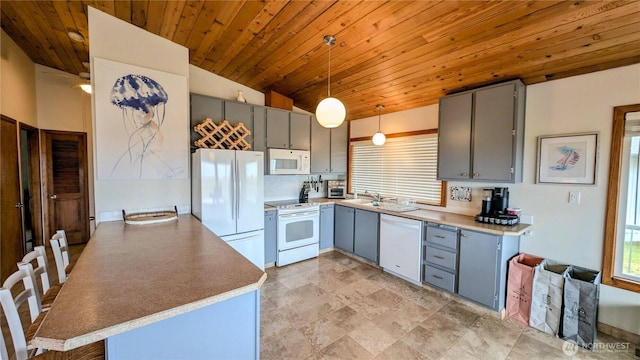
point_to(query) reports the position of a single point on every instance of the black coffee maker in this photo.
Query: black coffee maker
(499, 200)
(494, 207)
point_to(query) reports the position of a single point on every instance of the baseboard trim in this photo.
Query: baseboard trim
(619, 333)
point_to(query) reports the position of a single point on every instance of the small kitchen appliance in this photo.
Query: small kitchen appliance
(336, 189)
(494, 207)
(288, 162)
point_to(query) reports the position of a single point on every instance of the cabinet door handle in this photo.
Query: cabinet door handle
(464, 174)
(439, 236)
(438, 277)
(475, 174)
(398, 266)
(438, 257)
(463, 234)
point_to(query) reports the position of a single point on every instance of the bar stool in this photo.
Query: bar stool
(38, 260)
(20, 338)
(61, 255)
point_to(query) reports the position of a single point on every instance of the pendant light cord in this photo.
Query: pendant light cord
(329, 76)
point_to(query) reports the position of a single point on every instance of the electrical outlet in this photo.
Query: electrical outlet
(574, 197)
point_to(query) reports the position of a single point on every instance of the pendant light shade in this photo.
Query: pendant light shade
(379, 138)
(330, 112)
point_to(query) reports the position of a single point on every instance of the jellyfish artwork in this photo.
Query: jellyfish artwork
(142, 101)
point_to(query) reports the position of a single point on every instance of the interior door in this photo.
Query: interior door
(66, 184)
(11, 245)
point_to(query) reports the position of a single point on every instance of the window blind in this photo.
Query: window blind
(404, 167)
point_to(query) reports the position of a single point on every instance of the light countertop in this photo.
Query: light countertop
(129, 276)
(438, 217)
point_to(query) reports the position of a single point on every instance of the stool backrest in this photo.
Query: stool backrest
(40, 267)
(60, 253)
(11, 304)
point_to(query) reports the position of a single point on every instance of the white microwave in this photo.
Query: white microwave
(288, 162)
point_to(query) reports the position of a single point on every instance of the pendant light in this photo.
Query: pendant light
(379, 138)
(330, 112)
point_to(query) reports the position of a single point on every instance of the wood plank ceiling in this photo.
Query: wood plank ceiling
(402, 54)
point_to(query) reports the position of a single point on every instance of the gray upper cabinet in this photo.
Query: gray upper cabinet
(299, 131)
(339, 145)
(259, 129)
(235, 113)
(481, 134)
(320, 148)
(328, 148)
(288, 130)
(454, 137)
(203, 107)
(277, 128)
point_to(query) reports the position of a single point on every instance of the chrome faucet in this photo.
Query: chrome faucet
(376, 196)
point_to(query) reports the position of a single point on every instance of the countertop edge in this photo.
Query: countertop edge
(61, 345)
(475, 226)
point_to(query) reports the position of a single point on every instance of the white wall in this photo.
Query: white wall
(72, 114)
(116, 40)
(422, 118)
(17, 83)
(561, 231)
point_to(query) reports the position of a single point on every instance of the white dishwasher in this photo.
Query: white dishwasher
(400, 247)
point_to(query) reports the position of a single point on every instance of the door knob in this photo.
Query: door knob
(53, 197)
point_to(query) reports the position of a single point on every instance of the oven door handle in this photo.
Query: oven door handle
(300, 214)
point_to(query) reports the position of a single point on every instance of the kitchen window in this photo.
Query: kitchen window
(404, 167)
(621, 256)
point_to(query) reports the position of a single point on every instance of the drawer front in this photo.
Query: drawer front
(442, 237)
(441, 257)
(440, 278)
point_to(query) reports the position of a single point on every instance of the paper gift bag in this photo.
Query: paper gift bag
(581, 295)
(546, 297)
(519, 287)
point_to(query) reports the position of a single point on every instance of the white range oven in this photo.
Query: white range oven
(298, 231)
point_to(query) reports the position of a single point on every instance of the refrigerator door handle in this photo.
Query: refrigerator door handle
(233, 191)
(239, 177)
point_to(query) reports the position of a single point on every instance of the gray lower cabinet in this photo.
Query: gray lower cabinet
(343, 232)
(440, 256)
(482, 274)
(270, 236)
(326, 226)
(366, 234)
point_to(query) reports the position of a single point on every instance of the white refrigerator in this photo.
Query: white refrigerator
(227, 195)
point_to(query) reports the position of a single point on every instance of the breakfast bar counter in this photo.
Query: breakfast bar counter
(167, 290)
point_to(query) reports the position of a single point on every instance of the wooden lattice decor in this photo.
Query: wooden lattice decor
(222, 136)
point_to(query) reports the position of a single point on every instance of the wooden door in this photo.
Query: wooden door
(11, 241)
(65, 182)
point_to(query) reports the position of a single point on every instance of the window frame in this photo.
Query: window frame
(443, 183)
(613, 202)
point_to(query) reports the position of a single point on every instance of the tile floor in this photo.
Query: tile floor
(335, 307)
